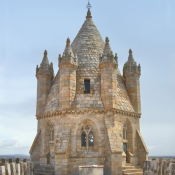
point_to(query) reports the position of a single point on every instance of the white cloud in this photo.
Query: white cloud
(8, 143)
(153, 147)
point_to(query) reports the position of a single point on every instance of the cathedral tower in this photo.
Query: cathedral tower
(88, 114)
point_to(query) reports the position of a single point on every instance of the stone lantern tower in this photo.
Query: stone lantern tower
(89, 113)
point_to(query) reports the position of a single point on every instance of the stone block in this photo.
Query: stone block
(18, 169)
(2, 170)
(3, 161)
(13, 168)
(10, 160)
(7, 169)
(91, 170)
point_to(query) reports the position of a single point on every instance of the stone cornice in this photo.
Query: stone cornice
(89, 111)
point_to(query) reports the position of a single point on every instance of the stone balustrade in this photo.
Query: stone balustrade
(16, 168)
(159, 167)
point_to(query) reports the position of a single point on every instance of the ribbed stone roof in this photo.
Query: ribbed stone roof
(88, 45)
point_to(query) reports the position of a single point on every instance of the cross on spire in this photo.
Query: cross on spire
(89, 6)
(89, 12)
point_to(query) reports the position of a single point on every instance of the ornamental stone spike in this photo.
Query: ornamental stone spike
(130, 57)
(45, 61)
(107, 48)
(108, 54)
(68, 49)
(51, 69)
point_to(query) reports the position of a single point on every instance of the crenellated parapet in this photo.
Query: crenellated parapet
(16, 167)
(159, 167)
(68, 56)
(130, 67)
(107, 56)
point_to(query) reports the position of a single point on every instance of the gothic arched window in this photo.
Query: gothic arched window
(87, 136)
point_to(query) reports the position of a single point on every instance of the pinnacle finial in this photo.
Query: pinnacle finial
(45, 53)
(130, 57)
(68, 41)
(68, 48)
(107, 40)
(107, 49)
(45, 61)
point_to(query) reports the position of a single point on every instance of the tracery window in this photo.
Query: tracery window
(125, 132)
(87, 136)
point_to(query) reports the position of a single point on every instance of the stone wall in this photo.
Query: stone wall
(159, 167)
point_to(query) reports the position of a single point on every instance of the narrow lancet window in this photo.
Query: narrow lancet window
(91, 139)
(86, 86)
(83, 139)
(51, 132)
(125, 132)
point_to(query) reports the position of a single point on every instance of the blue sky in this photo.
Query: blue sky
(27, 28)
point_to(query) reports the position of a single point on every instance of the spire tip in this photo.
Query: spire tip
(67, 41)
(130, 51)
(107, 40)
(45, 53)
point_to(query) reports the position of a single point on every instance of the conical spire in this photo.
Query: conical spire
(131, 66)
(107, 48)
(68, 50)
(45, 61)
(130, 57)
(68, 55)
(108, 54)
(45, 67)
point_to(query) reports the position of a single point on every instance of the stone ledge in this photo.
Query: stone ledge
(89, 111)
